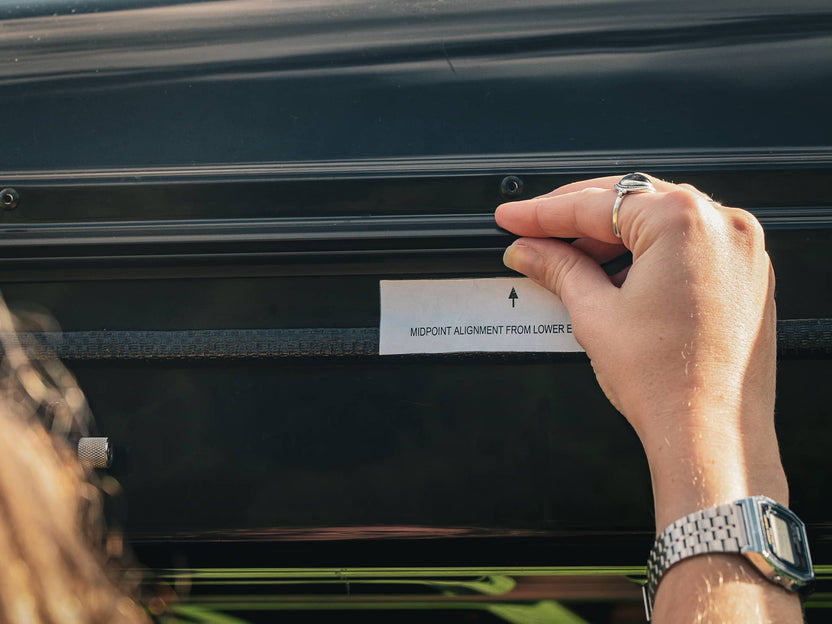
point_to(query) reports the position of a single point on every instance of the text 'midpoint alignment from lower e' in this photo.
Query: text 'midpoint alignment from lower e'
(500, 314)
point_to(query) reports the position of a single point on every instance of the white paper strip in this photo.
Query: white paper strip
(500, 314)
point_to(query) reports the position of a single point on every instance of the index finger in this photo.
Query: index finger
(581, 209)
(586, 213)
(606, 182)
(583, 213)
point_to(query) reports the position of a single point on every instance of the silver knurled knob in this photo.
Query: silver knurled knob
(95, 452)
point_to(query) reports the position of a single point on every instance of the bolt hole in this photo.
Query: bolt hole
(9, 198)
(511, 186)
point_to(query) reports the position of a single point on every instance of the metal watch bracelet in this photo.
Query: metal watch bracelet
(719, 529)
(770, 536)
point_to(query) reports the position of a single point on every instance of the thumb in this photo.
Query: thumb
(577, 279)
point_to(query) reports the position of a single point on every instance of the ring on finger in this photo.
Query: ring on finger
(631, 183)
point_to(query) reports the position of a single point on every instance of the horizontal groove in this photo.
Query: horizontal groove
(293, 237)
(251, 230)
(561, 162)
(795, 338)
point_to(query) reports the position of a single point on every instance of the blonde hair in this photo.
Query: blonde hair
(58, 561)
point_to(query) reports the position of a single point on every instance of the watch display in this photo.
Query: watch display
(778, 537)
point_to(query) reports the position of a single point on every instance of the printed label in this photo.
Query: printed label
(500, 314)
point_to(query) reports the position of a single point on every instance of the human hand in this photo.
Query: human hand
(683, 342)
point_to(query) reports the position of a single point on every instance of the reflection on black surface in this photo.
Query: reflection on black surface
(370, 443)
(254, 81)
(518, 595)
(318, 444)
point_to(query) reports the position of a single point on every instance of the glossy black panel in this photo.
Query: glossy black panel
(468, 442)
(150, 83)
(484, 444)
(382, 442)
(221, 165)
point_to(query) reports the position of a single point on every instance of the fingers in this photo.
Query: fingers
(607, 182)
(565, 270)
(583, 210)
(612, 258)
(599, 251)
(583, 213)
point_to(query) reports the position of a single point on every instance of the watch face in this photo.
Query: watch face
(781, 538)
(785, 540)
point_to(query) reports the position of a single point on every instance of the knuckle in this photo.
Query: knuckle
(700, 195)
(746, 232)
(589, 195)
(745, 223)
(686, 209)
(557, 270)
(684, 199)
(586, 196)
(690, 187)
(694, 213)
(541, 216)
(581, 218)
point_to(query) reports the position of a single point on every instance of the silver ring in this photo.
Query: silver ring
(631, 183)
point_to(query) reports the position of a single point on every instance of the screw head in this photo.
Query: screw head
(9, 198)
(511, 186)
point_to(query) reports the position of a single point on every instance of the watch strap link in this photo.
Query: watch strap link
(719, 529)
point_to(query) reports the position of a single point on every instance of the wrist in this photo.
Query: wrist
(699, 467)
(690, 489)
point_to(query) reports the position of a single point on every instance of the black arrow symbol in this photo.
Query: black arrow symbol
(513, 296)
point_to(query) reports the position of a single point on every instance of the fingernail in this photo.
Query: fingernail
(523, 259)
